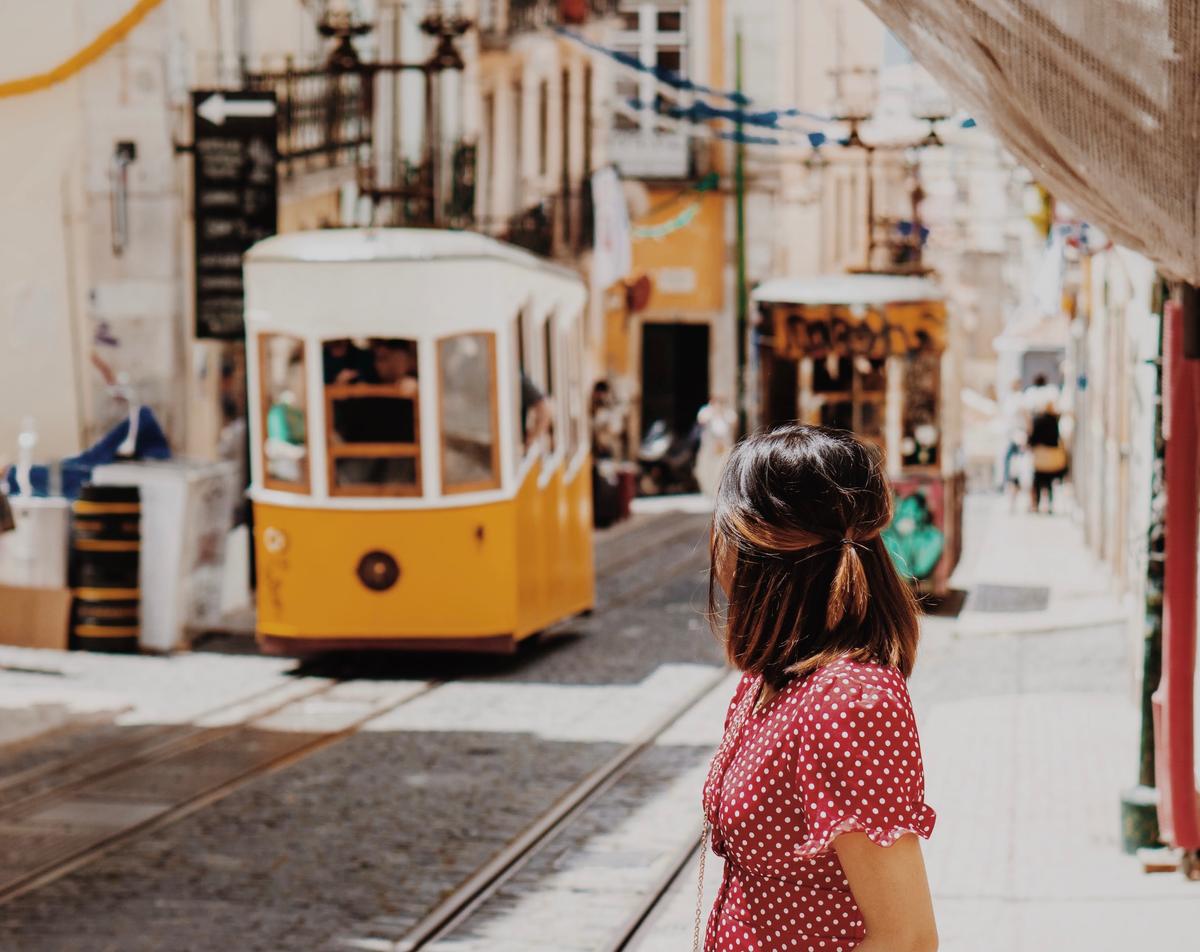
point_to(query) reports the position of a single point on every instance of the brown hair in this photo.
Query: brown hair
(799, 511)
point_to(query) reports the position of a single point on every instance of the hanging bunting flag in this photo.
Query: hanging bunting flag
(668, 227)
(661, 73)
(702, 112)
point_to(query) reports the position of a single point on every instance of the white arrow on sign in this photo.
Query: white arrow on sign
(216, 109)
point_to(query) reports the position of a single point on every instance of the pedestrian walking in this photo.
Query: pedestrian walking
(815, 798)
(718, 424)
(1014, 417)
(1049, 456)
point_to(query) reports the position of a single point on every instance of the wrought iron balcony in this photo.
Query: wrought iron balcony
(415, 199)
(559, 226)
(324, 115)
(500, 19)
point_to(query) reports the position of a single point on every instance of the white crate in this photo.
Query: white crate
(187, 512)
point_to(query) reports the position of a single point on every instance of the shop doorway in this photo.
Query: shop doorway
(674, 374)
(780, 381)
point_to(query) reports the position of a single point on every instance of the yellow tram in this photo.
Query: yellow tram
(420, 467)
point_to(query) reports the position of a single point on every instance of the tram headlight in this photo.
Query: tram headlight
(274, 540)
(378, 571)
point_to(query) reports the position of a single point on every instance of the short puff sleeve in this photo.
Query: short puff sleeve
(859, 764)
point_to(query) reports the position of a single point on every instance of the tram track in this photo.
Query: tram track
(147, 742)
(639, 541)
(57, 817)
(457, 908)
(152, 741)
(61, 829)
(632, 930)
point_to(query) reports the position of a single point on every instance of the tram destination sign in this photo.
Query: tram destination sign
(235, 198)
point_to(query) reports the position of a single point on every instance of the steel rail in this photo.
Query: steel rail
(456, 908)
(640, 541)
(628, 933)
(139, 749)
(62, 866)
(145, 751)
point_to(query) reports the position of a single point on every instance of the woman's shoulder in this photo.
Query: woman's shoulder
(857, 684)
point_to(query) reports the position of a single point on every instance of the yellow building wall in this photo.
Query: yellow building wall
(686, 269)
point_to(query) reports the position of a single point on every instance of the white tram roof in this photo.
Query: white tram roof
(403, 281)
(863, 289)
(413, 245)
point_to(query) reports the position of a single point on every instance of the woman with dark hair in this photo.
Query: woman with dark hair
(815, 798)
(1049, 456)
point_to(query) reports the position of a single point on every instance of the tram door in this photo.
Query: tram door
(674, 374)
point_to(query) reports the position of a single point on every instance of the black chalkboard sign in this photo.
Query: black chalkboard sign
(235, 198)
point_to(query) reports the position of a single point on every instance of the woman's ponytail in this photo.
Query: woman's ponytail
(848, 592)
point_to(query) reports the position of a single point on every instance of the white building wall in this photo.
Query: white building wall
(67, 293)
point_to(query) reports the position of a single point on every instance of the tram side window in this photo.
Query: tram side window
(470, 441)
(573, 375)
(550, 365)
(372, 430)
(519, 378)
(533, 398)
(285, 412)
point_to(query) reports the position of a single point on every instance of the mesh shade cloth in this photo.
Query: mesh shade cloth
(1099, 98)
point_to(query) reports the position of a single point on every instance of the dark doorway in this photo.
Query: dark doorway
(1048, 361)
(780, 383)
(674, 374)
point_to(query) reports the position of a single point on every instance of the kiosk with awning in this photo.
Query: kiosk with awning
(868, 353)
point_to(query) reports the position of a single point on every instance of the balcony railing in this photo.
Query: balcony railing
(559, 226)
(414, 199)
(499, 19)
(324, 117)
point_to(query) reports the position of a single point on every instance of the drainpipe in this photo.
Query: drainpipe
(1174, 701)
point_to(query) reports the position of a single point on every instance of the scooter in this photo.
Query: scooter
(667, 460)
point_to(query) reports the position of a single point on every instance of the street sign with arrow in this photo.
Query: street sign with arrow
(235, 198)
(217, 107)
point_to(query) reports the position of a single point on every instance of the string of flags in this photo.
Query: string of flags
(699, 112)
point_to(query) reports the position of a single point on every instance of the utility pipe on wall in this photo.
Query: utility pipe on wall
(1174, 701)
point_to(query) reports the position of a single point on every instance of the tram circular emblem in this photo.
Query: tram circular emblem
(378, 571)
(274, 540)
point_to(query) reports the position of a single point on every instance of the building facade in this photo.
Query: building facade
(475, 115)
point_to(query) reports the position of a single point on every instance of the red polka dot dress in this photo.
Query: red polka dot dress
(834, 752)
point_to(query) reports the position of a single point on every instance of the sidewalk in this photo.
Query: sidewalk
(1030, 734)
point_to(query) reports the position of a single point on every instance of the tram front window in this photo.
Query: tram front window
(371, 390)
(284, 422)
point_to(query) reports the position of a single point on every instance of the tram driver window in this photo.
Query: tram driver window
(285, 417)
(371, 395)
(467, 381)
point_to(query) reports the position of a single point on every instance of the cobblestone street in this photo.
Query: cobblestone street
(1027, 721)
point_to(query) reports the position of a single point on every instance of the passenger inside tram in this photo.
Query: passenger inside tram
(344, 361)
(537, 419)
(285, 447)
(372, 431)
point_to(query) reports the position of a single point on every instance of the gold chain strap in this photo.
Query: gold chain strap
(700, 890)
(723, 751)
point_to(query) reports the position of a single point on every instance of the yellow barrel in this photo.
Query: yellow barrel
(105, 548)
